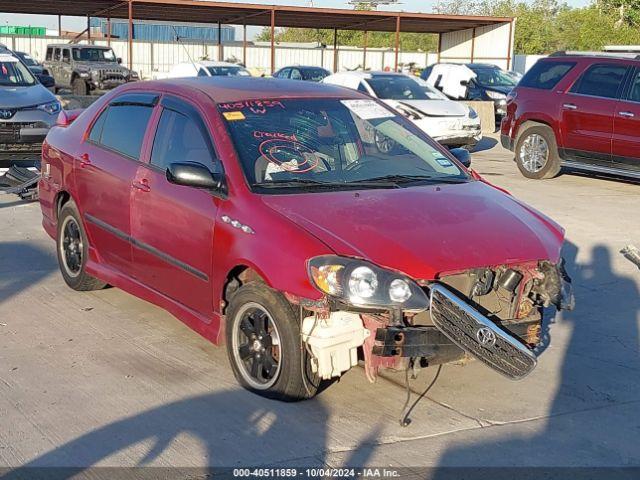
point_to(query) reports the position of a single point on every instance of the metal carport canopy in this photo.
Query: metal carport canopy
(198, 11)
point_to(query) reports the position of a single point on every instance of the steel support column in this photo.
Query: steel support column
(60, 25)
(364, 50)
(108, 31)
(335, 50)
(473, 45)
(130, 35)
(88, 29)
(273, 45)
(439, 46)
(244, 44)
(397, 42)
(220, 47)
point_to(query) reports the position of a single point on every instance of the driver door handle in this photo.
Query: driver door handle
(570, 106)
(626, 114)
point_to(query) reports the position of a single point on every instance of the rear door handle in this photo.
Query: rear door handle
(85, 161)
(626, 114)
(570, 106)
(142, 185)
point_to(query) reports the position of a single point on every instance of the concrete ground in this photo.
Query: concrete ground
(103, 378)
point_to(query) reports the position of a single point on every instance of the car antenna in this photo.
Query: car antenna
(186, 50)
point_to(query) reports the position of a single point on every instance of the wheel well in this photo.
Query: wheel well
(61, 198)
(238, 276)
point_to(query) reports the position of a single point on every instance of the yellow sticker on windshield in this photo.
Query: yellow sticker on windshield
(233, 116)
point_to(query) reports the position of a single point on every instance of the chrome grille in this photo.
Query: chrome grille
(461, 324)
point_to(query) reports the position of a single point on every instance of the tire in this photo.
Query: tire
(536, 153)
(254, 305)
(79, 86)
(71, 232)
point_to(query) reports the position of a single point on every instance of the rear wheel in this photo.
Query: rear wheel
(79, 86)
(264, 347)
(537, 153)
(72, 247)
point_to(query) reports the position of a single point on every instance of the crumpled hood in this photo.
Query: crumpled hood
(425, 230)
(435, 108)
(18, 97)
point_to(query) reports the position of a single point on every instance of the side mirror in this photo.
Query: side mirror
(191, 174)
(46, 80)
(119, 60)
(462, 155)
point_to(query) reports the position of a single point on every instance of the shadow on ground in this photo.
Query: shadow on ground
(598, 385)
(21, 266)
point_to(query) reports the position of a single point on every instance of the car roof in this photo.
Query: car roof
(213, 63)
(236, 89)
(76, 45)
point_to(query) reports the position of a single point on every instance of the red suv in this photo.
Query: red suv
(271, 215)
(580, 111)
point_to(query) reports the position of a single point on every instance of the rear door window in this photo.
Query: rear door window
(66, 55)
(49, 56)
(546, 75)
(604, 80)
(634, 90)
(122, 126)
(295, 74)
(56, 55)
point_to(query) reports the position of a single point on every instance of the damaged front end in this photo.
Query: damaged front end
(492, 314)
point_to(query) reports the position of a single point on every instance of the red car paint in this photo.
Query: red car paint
(422, 231)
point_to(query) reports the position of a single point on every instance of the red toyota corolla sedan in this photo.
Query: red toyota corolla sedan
(306, 226)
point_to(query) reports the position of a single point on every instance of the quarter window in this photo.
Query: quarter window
(546, 75)
(122, 128)
(601, 81)
(179, 139)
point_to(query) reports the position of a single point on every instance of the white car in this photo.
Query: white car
(207, 68)
(453, 124)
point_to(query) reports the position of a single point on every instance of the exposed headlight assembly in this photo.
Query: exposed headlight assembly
(365, 285)
(50, 108)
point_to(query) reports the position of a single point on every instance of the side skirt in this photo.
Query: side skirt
(209, 328)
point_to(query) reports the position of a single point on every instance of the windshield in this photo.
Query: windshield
(430, 91)
(314, 74)
(396, 87)
(228, 71)
(29, 61)
(94, 55)
(14, 73)
(493, 77)
(293, 145)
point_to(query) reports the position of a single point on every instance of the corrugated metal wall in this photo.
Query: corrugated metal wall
(492, 44)
(155, 58)
(159, 32)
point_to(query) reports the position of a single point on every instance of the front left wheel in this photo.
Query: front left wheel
(264, 346)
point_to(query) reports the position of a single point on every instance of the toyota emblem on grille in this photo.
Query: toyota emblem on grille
(486, 337)
(6, 113)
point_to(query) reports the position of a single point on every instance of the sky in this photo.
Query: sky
(78, 24)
